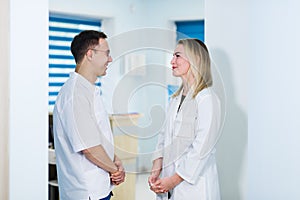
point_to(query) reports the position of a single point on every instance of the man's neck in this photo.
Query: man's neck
(86, 74)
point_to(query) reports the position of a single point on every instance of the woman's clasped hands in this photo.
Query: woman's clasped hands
(163, 185)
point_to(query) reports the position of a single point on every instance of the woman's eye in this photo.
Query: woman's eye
(177, 56)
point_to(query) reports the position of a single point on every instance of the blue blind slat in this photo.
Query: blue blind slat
(66, 30)
(51, 103)
(55, 84)
(59, 75)
(53, 93)
(60, 38)
(191, 29)
(66, 57)
(57, 47)
(62, 66)
(73, 20)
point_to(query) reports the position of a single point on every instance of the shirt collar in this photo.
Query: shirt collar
(83, 81)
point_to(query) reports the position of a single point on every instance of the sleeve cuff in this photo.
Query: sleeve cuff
(156, 155)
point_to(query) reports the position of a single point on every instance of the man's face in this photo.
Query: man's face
(101, 57)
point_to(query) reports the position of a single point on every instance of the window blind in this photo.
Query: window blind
(62, 29)
(190, 29)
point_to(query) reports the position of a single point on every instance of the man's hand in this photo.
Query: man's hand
(118, 177)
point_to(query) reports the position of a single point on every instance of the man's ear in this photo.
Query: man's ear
(89, 54)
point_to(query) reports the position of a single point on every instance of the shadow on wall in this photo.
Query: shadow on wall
(232, 146)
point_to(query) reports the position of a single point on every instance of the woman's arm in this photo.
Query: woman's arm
(155, 172)
(207, 133)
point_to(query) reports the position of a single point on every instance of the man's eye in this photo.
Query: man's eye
(177, 56)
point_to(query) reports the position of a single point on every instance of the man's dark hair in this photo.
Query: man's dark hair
(84, 41)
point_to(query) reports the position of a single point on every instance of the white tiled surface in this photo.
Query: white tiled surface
(142, 188)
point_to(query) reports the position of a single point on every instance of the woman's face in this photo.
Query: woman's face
(179, 62)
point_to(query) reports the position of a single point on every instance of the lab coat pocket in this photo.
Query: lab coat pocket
(185, 128)
(184, 136)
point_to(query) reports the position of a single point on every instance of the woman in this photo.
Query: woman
(184, 165)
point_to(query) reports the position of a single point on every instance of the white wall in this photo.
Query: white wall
(274, 164)
(227, 36)
(259, 40)
(28, 99)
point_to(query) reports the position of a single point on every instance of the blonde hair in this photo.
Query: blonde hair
(198, 56)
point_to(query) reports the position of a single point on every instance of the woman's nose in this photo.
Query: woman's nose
(172, 60)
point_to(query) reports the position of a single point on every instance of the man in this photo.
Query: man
(86, 165)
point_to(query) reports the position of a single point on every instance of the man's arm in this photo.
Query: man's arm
(99, 157)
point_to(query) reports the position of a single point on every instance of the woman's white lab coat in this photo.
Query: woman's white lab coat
(187, 145)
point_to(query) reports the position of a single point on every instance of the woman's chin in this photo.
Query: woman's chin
(175, 74)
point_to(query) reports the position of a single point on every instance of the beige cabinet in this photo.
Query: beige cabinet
(126, 148)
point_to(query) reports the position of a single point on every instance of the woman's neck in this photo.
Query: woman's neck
(185, 88)
(187, 84)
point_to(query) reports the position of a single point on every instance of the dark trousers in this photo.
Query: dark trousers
(108, 197)
(169, 195)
